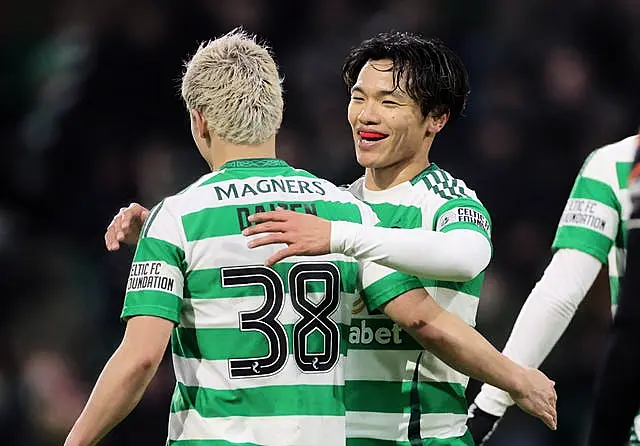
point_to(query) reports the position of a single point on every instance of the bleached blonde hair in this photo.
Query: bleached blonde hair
(233, 81)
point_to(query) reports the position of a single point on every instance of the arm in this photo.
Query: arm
(544, 317)
(462, 254)
(464, 349)
(123, 380)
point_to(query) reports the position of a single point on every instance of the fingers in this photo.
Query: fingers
(277, 215)
(268, 226)
(280, 255)
(267, 240)
(111, 238)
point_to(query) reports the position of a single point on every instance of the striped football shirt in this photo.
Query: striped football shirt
(419, 399)
(259, 353)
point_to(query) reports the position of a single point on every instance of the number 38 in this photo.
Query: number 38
(264, 319)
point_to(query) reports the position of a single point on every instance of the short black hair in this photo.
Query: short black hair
(435, 76)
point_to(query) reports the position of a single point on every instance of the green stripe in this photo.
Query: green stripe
(207, 443)
(380, 334)
(585, 240)
(471, 287)
(462, 203)
(154, 249)
(623, 170)
(428, 171)
(230, 343)
(232, 174)
(230, 220)
(388, 288)
(152, 303)
(392, 215)
(266, 401)
(614, 285)
(207, 284)
(394, 397)
(151, 218)
(590, 189)
(465, 440)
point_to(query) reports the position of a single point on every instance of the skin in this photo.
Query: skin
(403, 153)
(375, 106)
(127, 374)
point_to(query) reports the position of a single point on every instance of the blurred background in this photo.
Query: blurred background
(91, 119)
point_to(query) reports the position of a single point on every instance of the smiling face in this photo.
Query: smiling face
(388, 126)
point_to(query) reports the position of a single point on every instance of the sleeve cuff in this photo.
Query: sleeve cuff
(493, 400)
(388, 288)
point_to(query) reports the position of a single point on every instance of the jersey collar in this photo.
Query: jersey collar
(253, 163)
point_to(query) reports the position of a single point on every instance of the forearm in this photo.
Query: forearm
(544, 317)
(117, 391)
(464, 349)
(458, 255)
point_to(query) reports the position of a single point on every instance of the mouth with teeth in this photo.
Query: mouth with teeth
(368, 139)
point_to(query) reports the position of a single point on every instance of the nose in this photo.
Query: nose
(369, 114)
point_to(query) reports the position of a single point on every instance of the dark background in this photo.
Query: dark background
(91, 119)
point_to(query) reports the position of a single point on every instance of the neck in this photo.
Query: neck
(386, 177)
(226, 151)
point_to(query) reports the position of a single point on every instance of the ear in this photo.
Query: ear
(436, 123)
(201, 127)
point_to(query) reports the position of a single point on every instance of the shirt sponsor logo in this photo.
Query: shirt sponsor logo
(362, 333)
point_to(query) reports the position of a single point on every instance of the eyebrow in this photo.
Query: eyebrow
(396, 92)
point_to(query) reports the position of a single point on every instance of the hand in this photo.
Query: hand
(125, 226)
(304, 234)
(537, 397)
(481, 424)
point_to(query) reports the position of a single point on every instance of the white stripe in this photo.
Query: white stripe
(147, 276)
(224, 312)
(399, 365)
(462, 304)
(395, 427)
(216, 252)
(587, 214)
(617, 261)
(204, 197)
(633, 224)
(215, 375)
(271, 431)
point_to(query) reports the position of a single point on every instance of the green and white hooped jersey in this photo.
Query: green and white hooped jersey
(595, 217)
(259, 353)
(398, 393)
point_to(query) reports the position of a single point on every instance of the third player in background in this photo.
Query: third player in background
(591, 233)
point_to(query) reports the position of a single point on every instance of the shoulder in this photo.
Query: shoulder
(605, 162)
(439, 186)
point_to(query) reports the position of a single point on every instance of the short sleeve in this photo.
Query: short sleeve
(379, 283)
(462, 213)
(589, 222)
(156, 280)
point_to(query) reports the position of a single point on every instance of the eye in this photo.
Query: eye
(387, 102)
(357, 98)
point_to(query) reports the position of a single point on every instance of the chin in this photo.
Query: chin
(367, 160)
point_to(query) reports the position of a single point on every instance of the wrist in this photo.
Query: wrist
(517, 385)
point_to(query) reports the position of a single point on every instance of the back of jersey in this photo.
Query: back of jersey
(258, 352)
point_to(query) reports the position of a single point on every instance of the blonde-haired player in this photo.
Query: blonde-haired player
(259, 353)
